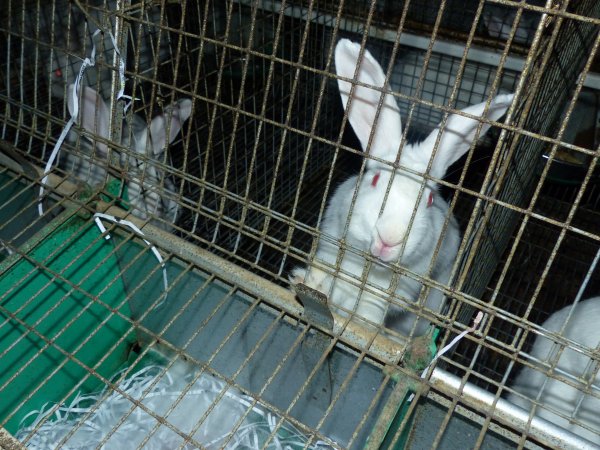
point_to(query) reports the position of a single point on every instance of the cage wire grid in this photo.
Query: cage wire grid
(72, 355)
(251, 171)
(564, 223)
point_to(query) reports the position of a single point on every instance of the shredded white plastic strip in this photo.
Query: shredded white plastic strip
(87, 62)
(140, 233)
(476, 321)
(121, 63)
(89, 419)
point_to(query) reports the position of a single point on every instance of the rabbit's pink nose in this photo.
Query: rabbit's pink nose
(386, 244)
(384, 250)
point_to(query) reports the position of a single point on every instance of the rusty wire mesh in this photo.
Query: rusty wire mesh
(250, 173)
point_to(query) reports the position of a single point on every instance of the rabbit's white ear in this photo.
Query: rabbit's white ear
(93, 113)
(365, 101)
(459, 133)
(178, 113)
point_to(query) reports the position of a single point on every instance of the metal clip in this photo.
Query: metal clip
(315, 306)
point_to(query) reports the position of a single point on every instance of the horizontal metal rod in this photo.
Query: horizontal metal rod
(476, 53)
(481, 400)
(385, 349)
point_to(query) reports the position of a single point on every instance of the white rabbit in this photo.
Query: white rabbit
(149, 191)
(383, 235)
(583, 327)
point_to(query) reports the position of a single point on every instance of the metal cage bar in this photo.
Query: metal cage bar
(220, 162)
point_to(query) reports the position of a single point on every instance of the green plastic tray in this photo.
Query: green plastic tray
(62, 311)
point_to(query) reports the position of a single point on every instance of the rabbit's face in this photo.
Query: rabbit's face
(387, 224)
(391, 235)
(395, 224)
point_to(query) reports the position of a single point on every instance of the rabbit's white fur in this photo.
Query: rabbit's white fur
(383, 236)
(150, 192)
(583, 327)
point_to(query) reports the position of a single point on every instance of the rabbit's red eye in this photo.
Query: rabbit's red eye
(375, 179)
(430, 200)
(58, 73)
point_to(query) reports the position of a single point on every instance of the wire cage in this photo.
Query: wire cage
(169, 175)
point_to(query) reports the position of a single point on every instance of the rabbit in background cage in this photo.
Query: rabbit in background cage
(583, 328)
(64, 69)
(149, 190)
(66, 57)
(384, 235)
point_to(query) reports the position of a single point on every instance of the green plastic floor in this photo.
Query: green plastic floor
(61, 301)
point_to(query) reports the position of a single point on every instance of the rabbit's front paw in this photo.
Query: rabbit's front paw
(297, 276)
(311, 277)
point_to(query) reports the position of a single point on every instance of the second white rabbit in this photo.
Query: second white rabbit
(562, 397)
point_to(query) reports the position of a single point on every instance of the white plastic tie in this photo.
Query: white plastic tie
(140, 233)
(121, 64)
(476, 321)
(87, 62)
